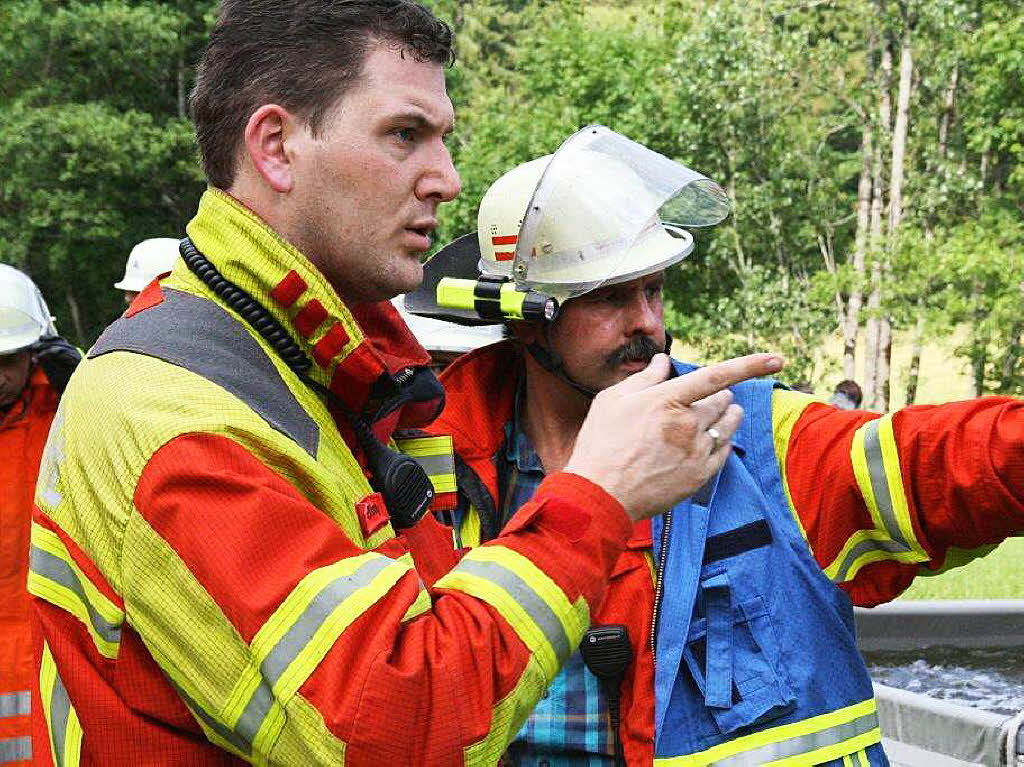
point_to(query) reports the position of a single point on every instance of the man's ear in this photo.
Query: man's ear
(266, 136)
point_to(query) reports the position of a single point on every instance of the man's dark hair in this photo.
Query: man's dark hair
(301, 54)
(851, 390)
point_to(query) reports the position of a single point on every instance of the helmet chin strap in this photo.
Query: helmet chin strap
(550, 360)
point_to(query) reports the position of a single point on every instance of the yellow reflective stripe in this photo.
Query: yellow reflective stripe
(420, 606)
(508, 717)
(862, 548)
(828, 753)
(862, 758)
(787, 407)
(897, 495)
(876, 467)
(294, 640)
(55, 577)
(847, 761)
(810, 741)
(537, 609)
(422, 603)
(956, 557)
(62, 724)
(436, 456)
(469, 528)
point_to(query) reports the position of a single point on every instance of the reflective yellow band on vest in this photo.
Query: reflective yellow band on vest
(539, 612)
(435, 455)
(294, 640)
(787, 407)
(62, 723)
(812, 741)
(56, 578)
(876, 467)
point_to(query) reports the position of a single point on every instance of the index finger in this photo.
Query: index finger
(690, 387)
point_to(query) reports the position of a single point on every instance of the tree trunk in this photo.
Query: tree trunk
(872, 335)
(76, 315)
(899, 144)
(917, 346)
(182, 95)
(948, 110)
(856, 299)
(979, 343)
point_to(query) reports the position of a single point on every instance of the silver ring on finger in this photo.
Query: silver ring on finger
(716, 438)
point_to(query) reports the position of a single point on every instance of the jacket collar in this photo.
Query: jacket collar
(356, 352)
(37, 397)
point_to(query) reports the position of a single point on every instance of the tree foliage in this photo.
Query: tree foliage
(771, 98)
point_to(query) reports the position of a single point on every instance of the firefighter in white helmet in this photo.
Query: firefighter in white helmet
(35, 365)
(147, 261)
(746, 612)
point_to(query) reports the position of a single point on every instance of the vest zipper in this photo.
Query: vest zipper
(659, 579)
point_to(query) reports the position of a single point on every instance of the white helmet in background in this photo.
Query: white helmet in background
(147, 260)
(603, 209)
(24, 316)
(443, 336)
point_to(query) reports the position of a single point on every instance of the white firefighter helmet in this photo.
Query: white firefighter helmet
(24, 316)
(442, 336)
(602, 209)
(147, 260)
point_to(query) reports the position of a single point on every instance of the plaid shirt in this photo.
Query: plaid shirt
(570, 726)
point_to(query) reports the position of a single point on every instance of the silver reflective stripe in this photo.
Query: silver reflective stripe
(46, 565)
(60, 710)
(225, 734)
(198, 335)
(880, 483)
(15, 704)
(862, 548)
(294, 641)
(436, 464)
(15, 749)
(802, 744)
(538, 610)
(255, 712)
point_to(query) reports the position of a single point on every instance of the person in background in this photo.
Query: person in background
(35, 365)
(147, 261)
(726, 635)
(847, 395)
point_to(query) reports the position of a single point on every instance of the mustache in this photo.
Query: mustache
(638, 349)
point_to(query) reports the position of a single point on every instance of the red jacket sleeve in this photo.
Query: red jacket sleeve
(390, 668)
(879, 497)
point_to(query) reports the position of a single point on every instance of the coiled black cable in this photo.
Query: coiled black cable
(403, 483)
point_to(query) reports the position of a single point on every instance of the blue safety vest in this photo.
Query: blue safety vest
(756, 656)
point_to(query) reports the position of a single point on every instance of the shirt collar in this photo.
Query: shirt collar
(518, 447)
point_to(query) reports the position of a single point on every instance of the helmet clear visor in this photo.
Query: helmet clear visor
(607, 209)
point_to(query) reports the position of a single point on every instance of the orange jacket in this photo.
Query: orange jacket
(957, 471)
(213, 580)
(23, 431)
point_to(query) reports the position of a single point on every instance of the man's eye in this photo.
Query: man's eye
(404, 134)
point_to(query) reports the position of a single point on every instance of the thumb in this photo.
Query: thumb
(655, 372)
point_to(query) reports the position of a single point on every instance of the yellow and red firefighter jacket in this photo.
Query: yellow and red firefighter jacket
(875, 499)
(215, 579)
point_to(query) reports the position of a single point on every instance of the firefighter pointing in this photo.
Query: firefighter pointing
(729, 618)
